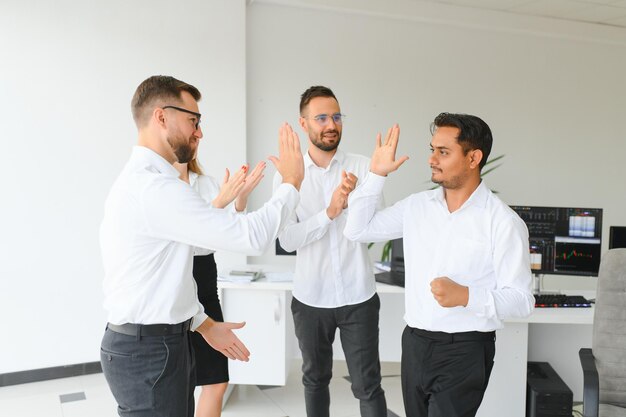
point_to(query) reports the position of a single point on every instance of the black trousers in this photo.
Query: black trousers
(445, 374)
(149, 376)
(358, 329)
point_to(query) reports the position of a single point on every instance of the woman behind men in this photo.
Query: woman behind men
(211, 365)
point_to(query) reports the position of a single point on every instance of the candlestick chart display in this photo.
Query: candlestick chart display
(563, 240)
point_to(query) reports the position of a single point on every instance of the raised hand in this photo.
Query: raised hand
(251, 181)
(339, 199)
(448, 293)
(221, 338)
(231, 187)
(384, 157)
(289, 163)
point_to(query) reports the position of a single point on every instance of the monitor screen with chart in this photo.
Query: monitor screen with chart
(563, 240)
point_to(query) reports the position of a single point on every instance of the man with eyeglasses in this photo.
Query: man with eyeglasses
(334, 286)
(152, 222)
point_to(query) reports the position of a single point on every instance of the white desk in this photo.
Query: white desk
(269, 335)
(514, 347)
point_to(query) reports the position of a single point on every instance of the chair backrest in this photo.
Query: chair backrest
(609, 328)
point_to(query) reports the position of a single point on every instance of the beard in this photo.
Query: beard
(182, 148)
(318, 141)
(450, 184)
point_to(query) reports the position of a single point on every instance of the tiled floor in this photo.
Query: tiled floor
(89, 396)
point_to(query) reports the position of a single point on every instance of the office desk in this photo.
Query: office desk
(270, 337)
(548, 329)
(269, 332)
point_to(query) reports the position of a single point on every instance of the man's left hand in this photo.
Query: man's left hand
(339, 199)
(448, 293)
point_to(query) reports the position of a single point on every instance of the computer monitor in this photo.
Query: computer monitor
(563, 240)
(617, 237)
(396, 275)
(397, 256)
(281, 251)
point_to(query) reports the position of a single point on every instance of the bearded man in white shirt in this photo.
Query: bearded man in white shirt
(152, 222)
(467, 265)
(334, 284)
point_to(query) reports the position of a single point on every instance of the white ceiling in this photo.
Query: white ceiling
(603, 12)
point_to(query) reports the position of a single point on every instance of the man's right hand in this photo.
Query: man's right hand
(384, 157)
(221, 338)
(290, 164)
(252, 180)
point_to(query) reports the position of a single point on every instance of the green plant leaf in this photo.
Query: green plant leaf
(492, 160)
(386, 254)
(489, 170)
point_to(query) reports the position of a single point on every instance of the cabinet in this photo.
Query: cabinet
(268, 332)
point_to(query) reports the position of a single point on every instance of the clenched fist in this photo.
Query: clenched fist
(448, 293)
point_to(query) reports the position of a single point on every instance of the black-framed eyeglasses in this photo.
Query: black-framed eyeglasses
(198, 115)
(324, 119)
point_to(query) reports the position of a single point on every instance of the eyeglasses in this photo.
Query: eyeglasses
(198, 115)
(324, 119)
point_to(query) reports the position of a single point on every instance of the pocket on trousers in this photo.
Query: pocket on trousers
(132, 375)
(490, 353)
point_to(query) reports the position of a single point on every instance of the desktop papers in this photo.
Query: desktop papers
(240, 276)
(279, 276)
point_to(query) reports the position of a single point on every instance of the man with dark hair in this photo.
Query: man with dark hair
(152, 221)
(473, 133)
(334, 285)
(467, 265)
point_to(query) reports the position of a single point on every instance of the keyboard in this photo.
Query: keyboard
(561, 300)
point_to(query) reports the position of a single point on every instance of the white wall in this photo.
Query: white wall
(552, 92)
(69, 69)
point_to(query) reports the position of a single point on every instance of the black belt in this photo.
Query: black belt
(132, 329)
(455, 337)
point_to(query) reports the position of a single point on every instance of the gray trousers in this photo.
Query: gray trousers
(358, 330)
(149, 376)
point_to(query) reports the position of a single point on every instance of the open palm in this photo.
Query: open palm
(384, 157)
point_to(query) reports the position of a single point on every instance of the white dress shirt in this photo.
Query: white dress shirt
(483, 245)
(208, 188)
(152, 221)
(331, 271)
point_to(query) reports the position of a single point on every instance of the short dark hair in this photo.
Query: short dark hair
(312, 92)
(157, 90)
(474, 133)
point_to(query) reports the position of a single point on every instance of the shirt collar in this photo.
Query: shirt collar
(147, 155)
(193, 177)
(338, 157)
(437, 195)
(478, 197)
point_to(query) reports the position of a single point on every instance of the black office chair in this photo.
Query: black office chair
(604, 366)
